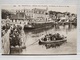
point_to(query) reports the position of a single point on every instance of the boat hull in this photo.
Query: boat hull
(41, 25)
(28, 28)
(52, 42)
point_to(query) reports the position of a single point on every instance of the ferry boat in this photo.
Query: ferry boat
(52, 42)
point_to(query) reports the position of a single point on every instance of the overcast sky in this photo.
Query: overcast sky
(59, 8)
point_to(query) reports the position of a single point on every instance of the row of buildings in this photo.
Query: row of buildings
(36, 15)
(29, 15)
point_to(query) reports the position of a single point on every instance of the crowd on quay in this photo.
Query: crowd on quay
(15, 33)
(4, 29)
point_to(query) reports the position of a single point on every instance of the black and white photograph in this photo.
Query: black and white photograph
(39, 29)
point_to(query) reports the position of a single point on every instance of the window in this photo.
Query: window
(15, 20)
(12, 20)
(20, 22)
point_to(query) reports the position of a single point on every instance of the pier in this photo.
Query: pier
(6, 43)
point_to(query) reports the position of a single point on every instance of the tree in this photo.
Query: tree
(5, 13)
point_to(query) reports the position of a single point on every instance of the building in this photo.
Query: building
(39, 15)
(34, 15)
(18, 18)
(28, 13)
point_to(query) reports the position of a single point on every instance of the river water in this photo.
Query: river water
(32, 37)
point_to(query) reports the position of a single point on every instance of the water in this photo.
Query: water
(32, 38)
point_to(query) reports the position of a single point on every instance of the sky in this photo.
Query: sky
(59, 8)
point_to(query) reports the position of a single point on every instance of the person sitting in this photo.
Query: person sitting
(53, 38)
(48, 39)
(42, 39)
(45, 39)
(58, 37)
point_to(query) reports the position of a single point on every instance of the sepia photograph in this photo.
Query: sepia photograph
(39, 29)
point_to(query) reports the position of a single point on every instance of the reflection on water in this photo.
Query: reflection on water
(32, 36)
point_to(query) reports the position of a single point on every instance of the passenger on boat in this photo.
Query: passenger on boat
(11, 30)
(42, 39)
(45, 39)
(3, 27)
(52, 38)
(7, 26)
(58, 36)
(3, 32)
(14, 37)
(48, 39)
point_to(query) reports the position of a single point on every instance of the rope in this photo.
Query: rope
(32, 43)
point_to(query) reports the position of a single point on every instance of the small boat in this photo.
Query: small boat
(52, 43)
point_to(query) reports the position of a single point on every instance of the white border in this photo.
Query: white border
(57, 2)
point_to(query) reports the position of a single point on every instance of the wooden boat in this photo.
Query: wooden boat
(52, 42)
(55, 43)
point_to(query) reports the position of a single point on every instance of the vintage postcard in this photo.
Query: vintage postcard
(39, 29)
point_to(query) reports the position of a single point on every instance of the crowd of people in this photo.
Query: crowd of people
(47, 41)
(15, 35)
(53, 37)
(4, 29)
